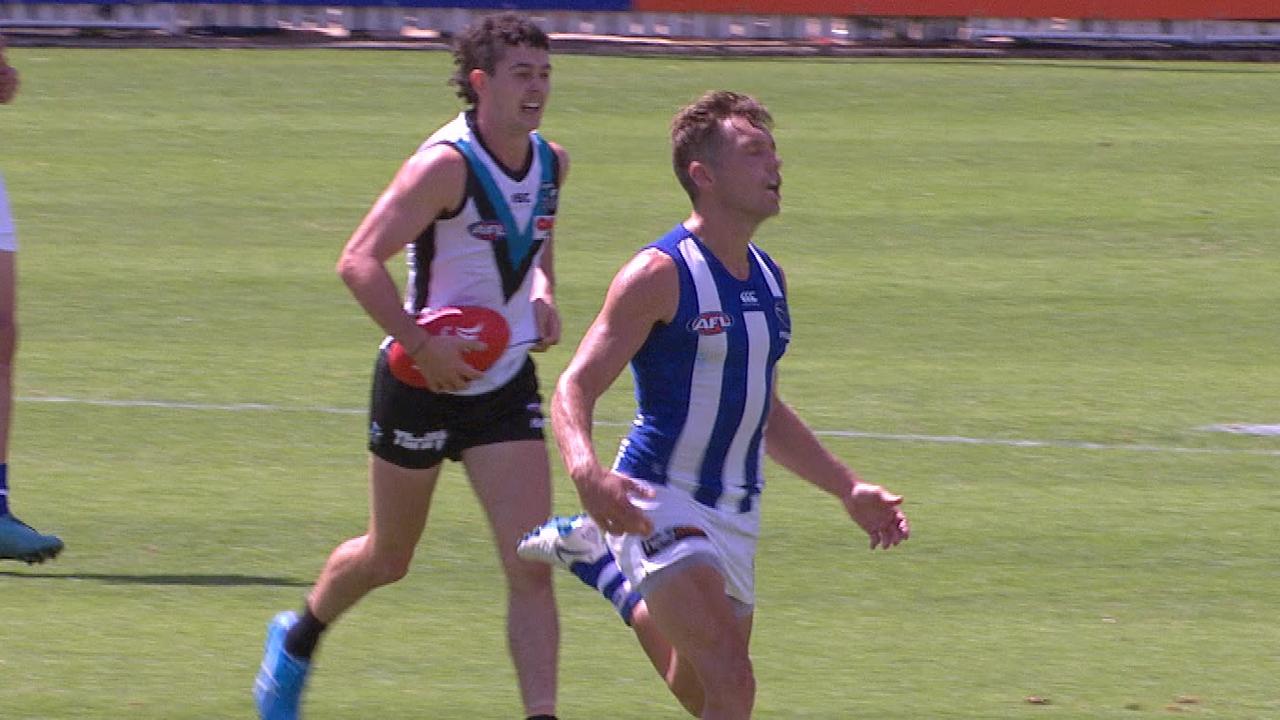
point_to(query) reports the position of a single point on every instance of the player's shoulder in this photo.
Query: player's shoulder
(558, 149)
(646, 288)
(562, 158)
(439, 162)
(649, 281)
(651, 264)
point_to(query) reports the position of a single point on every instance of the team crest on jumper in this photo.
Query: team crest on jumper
(784, 318)
(550, 196)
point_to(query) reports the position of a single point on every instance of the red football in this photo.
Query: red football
(470, 322)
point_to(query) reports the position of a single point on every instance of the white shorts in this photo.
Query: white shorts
(684, 529)
(8, 236)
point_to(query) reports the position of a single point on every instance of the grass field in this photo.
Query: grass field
(1068, 269)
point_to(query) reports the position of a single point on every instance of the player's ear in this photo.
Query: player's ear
(479, 80)
(700, 173)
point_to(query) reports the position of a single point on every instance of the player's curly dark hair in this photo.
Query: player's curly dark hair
(481, 46)
(696, 133)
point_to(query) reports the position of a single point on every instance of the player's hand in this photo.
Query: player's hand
(547, 319)
(606, 496)
(879, 513)
(441, 364)
(8, 81)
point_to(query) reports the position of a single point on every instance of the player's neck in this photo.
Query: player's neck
(726, 238)
(509, 146)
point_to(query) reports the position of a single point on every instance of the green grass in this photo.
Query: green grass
(1070, 253)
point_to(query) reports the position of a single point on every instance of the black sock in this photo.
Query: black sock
(302, 638)
(541, 717)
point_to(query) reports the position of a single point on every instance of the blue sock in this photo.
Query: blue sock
(604, 576)
(4, 488)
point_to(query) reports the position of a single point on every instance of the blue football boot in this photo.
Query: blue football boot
(278, 688)
(20, 541)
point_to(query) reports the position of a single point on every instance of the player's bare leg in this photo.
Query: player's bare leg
(575, 544)
(400, 499)
(691, 611)
(512, 482)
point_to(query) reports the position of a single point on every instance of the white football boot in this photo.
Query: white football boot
(564, 542)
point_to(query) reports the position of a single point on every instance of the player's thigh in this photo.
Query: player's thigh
(681, 675)
(513, 483)
(8, 306)
(399, 501)
(691, 609)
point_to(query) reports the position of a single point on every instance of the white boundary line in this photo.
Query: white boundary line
(1055, 444)
(841, 434)
(166, 405)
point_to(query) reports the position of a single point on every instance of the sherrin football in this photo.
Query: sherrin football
(468, 321)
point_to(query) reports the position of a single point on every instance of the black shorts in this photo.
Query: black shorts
(415, 428)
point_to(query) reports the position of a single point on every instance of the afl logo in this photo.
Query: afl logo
(711, 323)
(487, 230)
(544, 223)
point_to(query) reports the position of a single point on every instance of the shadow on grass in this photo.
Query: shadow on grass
(161, 579)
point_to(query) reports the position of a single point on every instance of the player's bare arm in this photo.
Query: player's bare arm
(8, 77)
(644, 292)
(794, 446)
(544, 280)
(428, 185)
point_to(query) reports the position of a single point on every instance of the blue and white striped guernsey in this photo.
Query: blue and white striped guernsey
(703, 382)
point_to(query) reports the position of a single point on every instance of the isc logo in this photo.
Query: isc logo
(711, 323)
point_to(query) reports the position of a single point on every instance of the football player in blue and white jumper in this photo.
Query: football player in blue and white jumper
(474, 209)
(702, 318)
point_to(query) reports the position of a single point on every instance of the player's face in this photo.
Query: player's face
(749, 172)
(517, 90)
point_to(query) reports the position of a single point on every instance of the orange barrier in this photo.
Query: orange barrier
(1072, 9)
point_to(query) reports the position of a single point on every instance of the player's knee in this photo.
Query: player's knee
(528, 578)
(746, 684)
(730, 684)
(741, 677)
